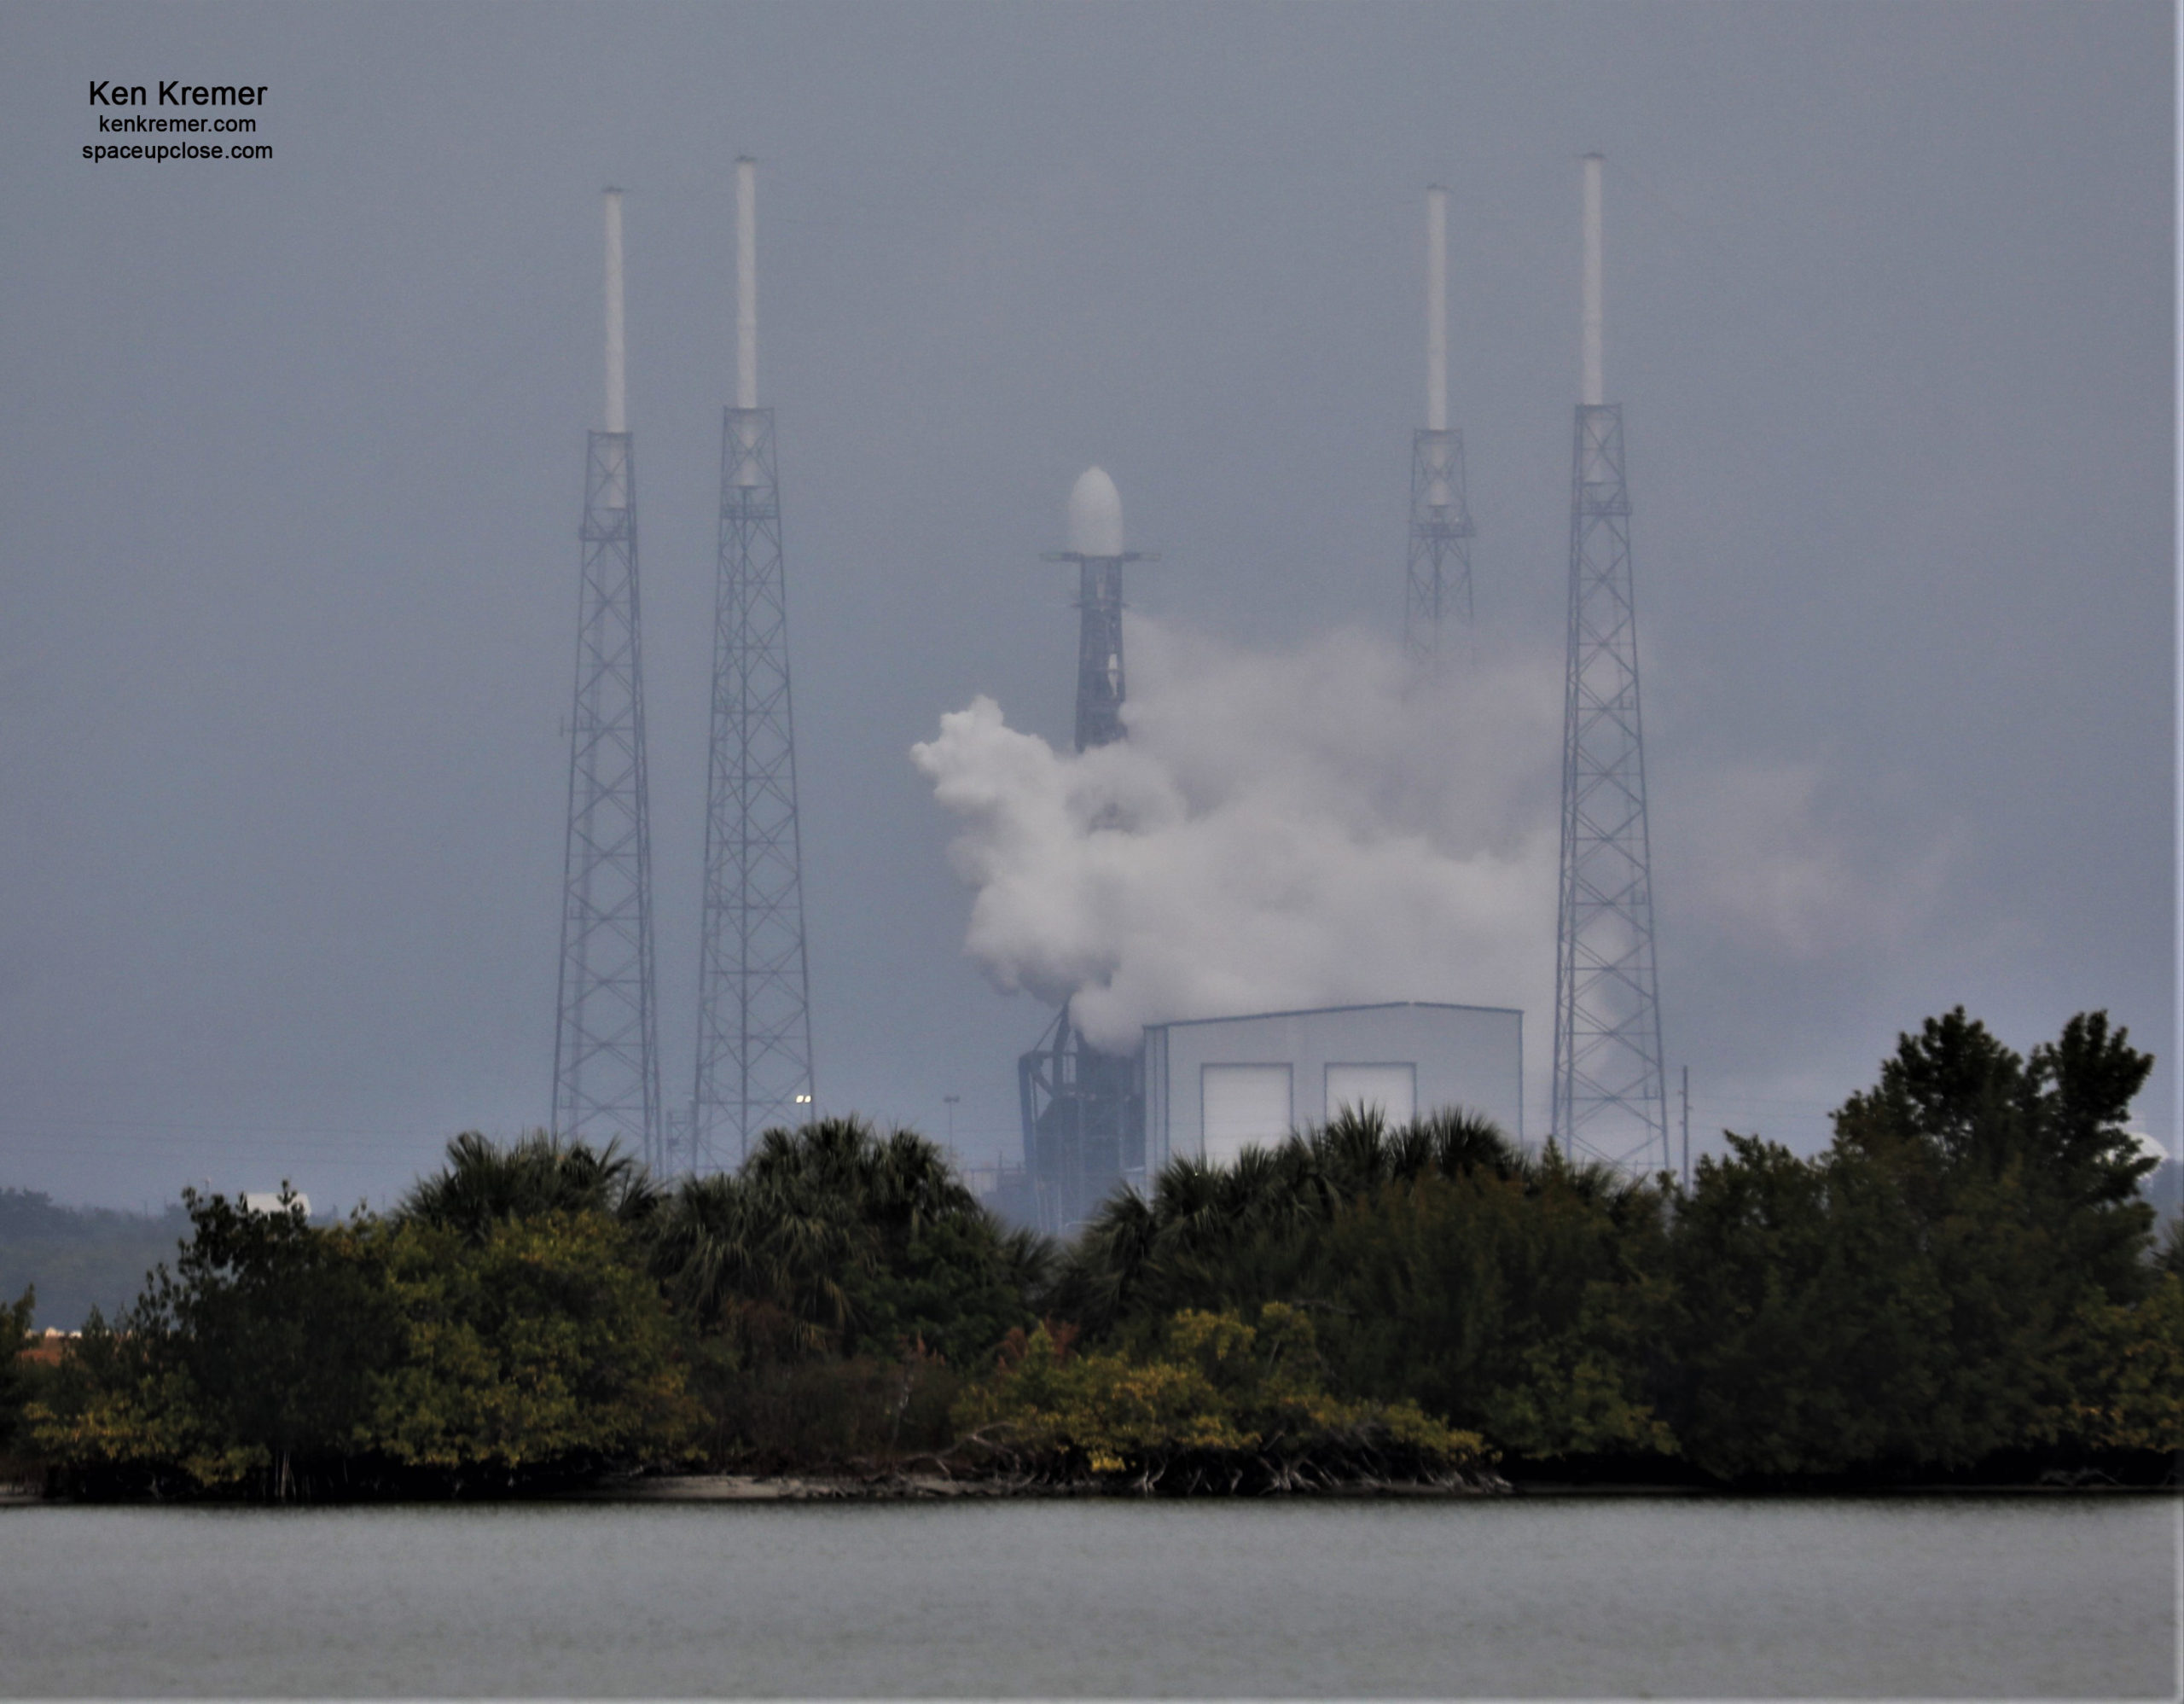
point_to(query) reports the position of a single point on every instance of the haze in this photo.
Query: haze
(292, 454)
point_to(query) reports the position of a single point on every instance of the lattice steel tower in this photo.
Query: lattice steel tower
(1610, 1100)
(1438, 582)
(606, 1044)
(754, 1021)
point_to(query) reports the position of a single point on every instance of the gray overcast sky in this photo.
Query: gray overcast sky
(293, 452)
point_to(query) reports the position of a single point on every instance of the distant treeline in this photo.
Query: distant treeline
(1966, 1284)
(80, 1258)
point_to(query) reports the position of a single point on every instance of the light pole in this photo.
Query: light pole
(1686, 1130)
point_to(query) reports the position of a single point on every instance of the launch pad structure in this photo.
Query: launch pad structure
(754, 1066)
(1083, 1115)
(1083, 1110)
(1610, 1096)
(606, 1038)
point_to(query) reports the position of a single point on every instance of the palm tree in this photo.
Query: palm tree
(1212, 1234)
(485, 1183)
(746, 1255)
(787, 1255)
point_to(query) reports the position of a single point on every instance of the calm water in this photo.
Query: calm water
(1568, 1597)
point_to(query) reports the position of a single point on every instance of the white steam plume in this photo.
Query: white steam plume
(1278, 831)
(1299, 830)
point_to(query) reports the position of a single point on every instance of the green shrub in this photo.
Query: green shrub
(1218, 1404)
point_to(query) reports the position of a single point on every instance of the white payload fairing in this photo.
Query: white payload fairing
(1095, 515)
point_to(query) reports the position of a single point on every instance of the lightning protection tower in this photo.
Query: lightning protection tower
(606, 1046)
(1609, 1097)
(1083, 1110)
(754, 1024)
(1438, 582)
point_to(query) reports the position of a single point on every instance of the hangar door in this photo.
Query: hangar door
(1392, 1088)
(1243, 1105)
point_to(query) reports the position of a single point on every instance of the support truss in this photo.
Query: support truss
(606, 1046)
(1439, 579)
(754, 1026)
(1609, 1096)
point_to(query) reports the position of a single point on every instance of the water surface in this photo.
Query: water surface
(1564, 1597)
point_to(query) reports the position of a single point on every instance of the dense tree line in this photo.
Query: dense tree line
(541, 1313)
(1512, 1294)
(1966, 1275)
(1967, 1272)
(1965, 1280)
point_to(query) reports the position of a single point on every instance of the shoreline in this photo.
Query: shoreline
(940, 1488)
(913, 1487)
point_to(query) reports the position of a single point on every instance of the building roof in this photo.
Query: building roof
(1323, 1011)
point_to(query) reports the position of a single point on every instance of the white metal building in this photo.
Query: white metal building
(1215, 1085)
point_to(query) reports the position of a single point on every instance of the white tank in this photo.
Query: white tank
(1095, 515)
